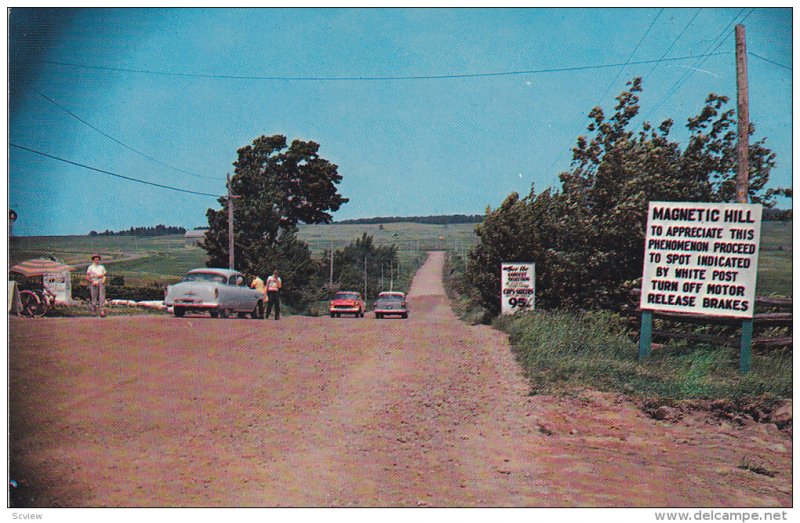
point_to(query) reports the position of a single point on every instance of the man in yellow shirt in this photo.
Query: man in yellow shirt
(259, 285)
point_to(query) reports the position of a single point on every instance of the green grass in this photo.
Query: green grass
(81, 312)
(563, 351)
(775, 260)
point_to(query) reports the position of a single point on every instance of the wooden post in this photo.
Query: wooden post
(742, 173)
(743, 111)
(230, 223)
(330, 286)
(745, 351)
(646, 335)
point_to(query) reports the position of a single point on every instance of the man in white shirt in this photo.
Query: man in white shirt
(96, 276)
(274, 285)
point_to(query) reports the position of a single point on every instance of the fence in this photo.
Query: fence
(745, 341)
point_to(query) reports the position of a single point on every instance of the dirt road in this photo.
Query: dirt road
(162, 411)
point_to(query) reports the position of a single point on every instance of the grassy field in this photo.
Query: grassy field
(775, 259)
(165, 259)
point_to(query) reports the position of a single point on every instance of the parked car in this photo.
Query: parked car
(219, 292)
(391, 303)
(347, 302)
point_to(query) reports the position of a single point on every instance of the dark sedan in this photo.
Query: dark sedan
(391, 303)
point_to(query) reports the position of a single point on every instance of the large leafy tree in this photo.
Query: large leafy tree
(587, 239)
(278, 187)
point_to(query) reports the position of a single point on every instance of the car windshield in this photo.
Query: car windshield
(346, 296)
(204, 276)
(390, 297)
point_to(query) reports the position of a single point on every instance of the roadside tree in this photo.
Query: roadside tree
(278, 187)
(587, 239)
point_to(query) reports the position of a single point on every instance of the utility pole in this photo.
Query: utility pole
(391, 275)
(742, 173)
(330, 286)
(365, 278)
(381, 275)
(743, 111)
(231, 197)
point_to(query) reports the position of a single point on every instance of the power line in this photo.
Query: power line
(770, 61)
(675, 41)
(140, 153)
(370, 78)
(111, 173)
(628, 61)
(722, 37)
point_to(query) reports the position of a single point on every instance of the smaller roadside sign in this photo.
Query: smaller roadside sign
(701, 258)
(517, 287)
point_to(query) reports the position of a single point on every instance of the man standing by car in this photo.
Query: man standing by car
(274, 285)
(258, 284)
(96, 276)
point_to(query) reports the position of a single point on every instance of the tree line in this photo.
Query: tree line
(158, 230)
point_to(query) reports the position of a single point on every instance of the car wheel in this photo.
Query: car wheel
(333, 315)
(214, 314)
(405, 315)
(224, 313)
(241, 315)
(179, 312)
(378, 316)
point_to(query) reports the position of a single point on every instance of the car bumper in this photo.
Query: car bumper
(193, 305)
(345, 309)
(390, 311)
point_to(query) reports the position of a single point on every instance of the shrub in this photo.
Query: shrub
(587, 239)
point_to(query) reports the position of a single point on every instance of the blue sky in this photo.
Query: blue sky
(403, 147)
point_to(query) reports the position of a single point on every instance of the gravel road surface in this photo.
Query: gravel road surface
(428, 411)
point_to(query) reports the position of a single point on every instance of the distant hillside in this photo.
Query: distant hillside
(435, 220)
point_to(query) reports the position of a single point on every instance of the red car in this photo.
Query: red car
(347, 302)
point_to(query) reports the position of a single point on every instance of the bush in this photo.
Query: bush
(587, 239)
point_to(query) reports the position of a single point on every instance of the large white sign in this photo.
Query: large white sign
(701, 258)
(517, 287)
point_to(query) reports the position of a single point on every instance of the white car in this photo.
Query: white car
(219, 292)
